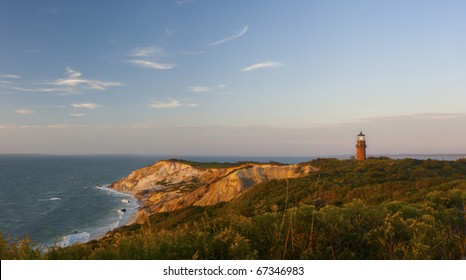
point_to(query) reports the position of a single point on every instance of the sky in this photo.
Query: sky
(243, 78)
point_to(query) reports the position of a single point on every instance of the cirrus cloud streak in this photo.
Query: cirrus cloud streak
(10, 76)
(24, 111)
(90, 106)
(233, 37)
(72, 84)
(151, 64)
(142, 52)
(172, 104)
(73, 80)
(77, 115)
(262, 65)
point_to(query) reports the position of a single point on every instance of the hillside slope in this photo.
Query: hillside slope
(377, 209)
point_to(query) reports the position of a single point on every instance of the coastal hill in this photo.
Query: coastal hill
(379, 208)
(173, 184)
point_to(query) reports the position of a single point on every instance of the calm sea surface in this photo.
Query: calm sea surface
(63, 199)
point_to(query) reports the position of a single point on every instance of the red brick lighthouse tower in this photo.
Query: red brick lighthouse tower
(361, 147)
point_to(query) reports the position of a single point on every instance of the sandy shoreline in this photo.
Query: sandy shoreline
(129, 221)
(128, 218)
(133, 217)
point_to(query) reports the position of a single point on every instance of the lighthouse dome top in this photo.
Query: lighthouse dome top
(361, 137)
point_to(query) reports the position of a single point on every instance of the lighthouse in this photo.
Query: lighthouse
(361, 147)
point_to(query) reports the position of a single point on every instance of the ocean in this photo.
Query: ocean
(62, 200)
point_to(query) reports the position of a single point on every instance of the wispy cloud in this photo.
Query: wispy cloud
(150, 51)
(146, 63)
(227, 93)
(42, 89)
(74, 81)
(77, 115)
(90, 84)
(72, 84)
(151, 64)
(262, 65)
(25, 126)
(90, 106)
(49, 126)
(172, 104)
(208, 89)
(233, 37)
(16, 86)
(423, 116)
(199, 89)
(10, 76)
(24, 111)
(72, 74)
(169, 105)
(56, 126)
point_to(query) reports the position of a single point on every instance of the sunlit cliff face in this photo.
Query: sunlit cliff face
(170, 185)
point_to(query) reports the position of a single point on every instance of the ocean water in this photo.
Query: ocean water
(64, 199)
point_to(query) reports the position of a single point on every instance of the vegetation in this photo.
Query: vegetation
(206, 165)
(376, 209)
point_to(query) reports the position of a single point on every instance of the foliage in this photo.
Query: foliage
(18, 250)
(376, 209)
(207, 165)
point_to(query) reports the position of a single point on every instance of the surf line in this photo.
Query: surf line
(125, 214)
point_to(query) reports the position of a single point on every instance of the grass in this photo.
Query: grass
(219, 165)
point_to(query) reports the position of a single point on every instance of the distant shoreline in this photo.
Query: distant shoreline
(231, 158)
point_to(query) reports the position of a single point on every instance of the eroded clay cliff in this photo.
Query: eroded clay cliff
(169, 185)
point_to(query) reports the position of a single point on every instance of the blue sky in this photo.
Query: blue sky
(204, 77)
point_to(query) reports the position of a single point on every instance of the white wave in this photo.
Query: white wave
(98, 232)
(111, 191)
(114, 225)
(125, 213)
(101, 231)
(121, 213)
(49, 199)
(74, 238)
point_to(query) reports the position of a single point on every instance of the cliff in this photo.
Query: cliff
(169, 184)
